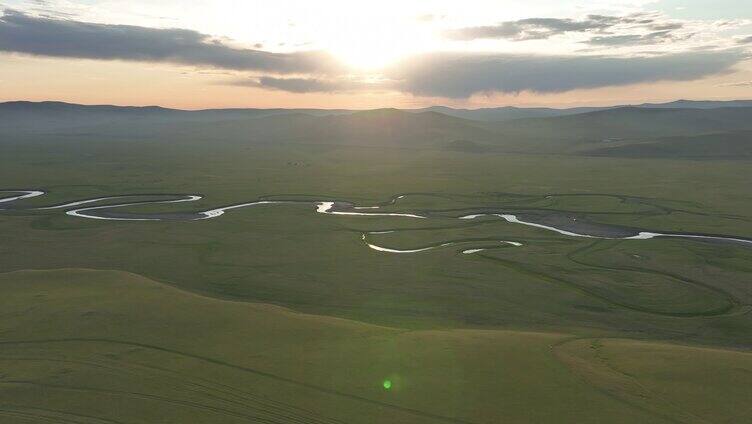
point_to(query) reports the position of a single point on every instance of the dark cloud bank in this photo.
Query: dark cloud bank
(544, 28)
(635, 29)
(533, 28)
(42, 36)
(459, 76)
(306, 85)
(439, 74)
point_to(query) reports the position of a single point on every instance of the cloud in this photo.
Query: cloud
(41, 36)
(453, 75)
(461, 75)
(543, 28)
(657, 37)
(745, 40)
(305, 85)
(527, 29)
(428, 17)
(634, 29)
(669, 26)
(737, 84)
(456, 75)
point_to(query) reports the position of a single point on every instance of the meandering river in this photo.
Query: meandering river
(559, 223)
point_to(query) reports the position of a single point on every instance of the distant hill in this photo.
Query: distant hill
(698, 104)
(40, 117)
(731, 145)
(46, 116)
(624, 123)
(22, 116)
(374, 127)
(633, 131)
(507, 113)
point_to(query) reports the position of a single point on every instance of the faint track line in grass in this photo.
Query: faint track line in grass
(731, 299)
(124, 368)
(57, 415)
(648, 400)
(520, 267)
(248, 370)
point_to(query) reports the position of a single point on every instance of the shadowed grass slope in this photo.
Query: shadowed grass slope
(105, 346)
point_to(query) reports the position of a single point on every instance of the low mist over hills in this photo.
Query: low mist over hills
(683, 128)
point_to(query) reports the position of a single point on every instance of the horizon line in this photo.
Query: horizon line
(155, 106)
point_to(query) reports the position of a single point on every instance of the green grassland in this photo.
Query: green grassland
(86, 346)
(278, 314)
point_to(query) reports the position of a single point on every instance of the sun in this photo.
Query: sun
(367, 58)
(365, 52)
(377, 46)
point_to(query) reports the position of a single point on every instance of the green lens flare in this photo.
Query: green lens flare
(387, 384)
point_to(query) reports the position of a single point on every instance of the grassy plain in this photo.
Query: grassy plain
(107, 346)
(173, 330)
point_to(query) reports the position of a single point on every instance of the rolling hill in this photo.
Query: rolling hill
(575, 133)
(507, 113)
(42, 117)
(731, 145)
(703, 129)
(102, 347)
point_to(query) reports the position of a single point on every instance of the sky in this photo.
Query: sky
(369, 54)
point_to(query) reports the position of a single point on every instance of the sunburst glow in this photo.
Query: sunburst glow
(376, 45)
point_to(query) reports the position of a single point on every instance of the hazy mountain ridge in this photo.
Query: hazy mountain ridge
(374, 127)
(504, 113)
(507, 113)
(648, 130)
(636, 122)
(52, 116)
(730, 145)
(698, 104)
